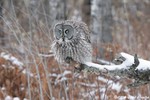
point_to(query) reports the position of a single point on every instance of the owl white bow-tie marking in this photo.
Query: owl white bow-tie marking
(71, 42)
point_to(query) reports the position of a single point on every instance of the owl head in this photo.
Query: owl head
(64, 31)
(71, 40)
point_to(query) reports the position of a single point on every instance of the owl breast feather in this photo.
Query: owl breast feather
(79, 50)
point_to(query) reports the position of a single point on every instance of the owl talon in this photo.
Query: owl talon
(78, 68)
(68, 60)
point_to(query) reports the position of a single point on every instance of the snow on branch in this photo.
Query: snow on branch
(125, 65)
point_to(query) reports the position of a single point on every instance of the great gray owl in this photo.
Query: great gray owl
(71, 41)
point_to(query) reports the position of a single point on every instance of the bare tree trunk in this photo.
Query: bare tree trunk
(58, 9)
(106, 14)
(2, 34)
(86, 11)
(101, 23)
(47, 12)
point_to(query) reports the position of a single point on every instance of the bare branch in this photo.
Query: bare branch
(125, 65)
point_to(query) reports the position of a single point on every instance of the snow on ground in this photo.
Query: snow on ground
(8, 98)
(115, 86)
(11, 98)
(102, 89)
(103, 79)
(15, 61)
(103, 95)
(16, 98)
(12, 59)
(60, 77)
(88, 85)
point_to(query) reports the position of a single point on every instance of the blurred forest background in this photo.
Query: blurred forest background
(26, 33)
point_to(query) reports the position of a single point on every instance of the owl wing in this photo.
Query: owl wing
(84, 27)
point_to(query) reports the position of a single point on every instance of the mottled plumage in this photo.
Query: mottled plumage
(72, 40)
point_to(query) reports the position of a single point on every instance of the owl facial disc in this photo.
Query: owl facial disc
(64, 32)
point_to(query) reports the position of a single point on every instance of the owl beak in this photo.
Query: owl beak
(63, 37)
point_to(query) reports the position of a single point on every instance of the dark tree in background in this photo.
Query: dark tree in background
(106, 20)
(2, 34)
(102, 23)
(86, 11)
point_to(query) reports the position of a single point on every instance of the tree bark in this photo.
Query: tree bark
(86, 11)
(124, 65)
(101, 24)
(2, 34)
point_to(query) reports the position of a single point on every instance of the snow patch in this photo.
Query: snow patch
(53, 75)
(16, 98)
(102, 79)
(104, 67)
(12, 59)
(61, 77)
(8, 98)
(88, 85)
(116, 86)
(66, 72)
(129, 59)
(103, 95)
(143, 65)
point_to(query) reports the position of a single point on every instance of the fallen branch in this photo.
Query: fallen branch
(125, 65)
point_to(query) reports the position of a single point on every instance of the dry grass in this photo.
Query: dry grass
(14, 83)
